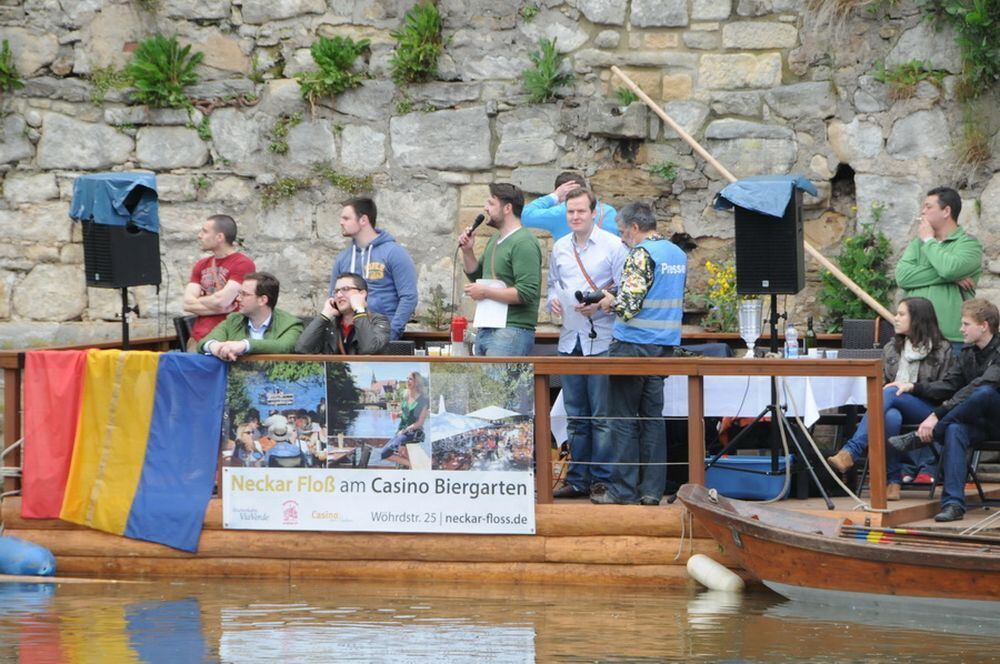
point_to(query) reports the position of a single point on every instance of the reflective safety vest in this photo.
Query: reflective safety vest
(659, 320)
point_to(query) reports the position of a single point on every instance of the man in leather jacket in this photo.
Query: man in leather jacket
(345, 326)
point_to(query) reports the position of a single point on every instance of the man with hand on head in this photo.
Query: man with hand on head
(513, 257)
(258, 327)
(943, 262)
(549, 212)
(345, 326)
(215, 280)
(587, 261)
(385, 265)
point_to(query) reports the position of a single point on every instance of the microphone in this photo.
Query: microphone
(479, 220)
(475, 224)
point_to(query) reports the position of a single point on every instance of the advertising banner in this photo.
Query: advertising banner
(379, 446)
(417, 501)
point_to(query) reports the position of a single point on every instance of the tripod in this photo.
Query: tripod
(778, 423)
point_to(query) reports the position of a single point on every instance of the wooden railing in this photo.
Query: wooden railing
(695, 369)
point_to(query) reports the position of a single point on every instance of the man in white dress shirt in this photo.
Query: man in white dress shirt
(588, 260)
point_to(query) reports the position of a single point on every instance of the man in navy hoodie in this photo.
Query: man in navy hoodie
(385, 265)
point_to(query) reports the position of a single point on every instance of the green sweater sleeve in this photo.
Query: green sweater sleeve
(478, 272)
(912, 272)
(955, 260)
(222, 331)
(527, 266)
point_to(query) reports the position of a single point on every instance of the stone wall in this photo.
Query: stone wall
(768, 86)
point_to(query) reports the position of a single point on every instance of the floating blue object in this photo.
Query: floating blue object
(18, 556)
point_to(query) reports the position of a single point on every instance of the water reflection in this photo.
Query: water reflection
(227, 621)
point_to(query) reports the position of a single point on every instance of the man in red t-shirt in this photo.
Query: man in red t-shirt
(215, 280)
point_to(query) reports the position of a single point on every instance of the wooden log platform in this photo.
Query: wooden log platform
(575, 543)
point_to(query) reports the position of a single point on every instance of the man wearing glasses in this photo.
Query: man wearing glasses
(258, 327)
(345, 326)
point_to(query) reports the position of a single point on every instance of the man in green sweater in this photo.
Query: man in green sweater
(943, 263)
(257, 327)
(513, 257)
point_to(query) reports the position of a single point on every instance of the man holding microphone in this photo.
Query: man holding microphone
(509, 273)
(582, 266)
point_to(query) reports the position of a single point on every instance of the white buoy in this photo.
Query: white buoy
(712, 575)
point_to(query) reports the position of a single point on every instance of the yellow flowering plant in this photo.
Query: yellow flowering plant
(720, 300)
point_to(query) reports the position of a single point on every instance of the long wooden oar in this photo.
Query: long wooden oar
(703, 153)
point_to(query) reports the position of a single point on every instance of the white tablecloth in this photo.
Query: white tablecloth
(746, 396)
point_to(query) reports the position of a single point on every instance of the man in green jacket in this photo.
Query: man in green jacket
(943, 263)
(257, 327)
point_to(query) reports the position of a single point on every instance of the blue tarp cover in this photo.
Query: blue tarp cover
(767, 194)
(101, 197)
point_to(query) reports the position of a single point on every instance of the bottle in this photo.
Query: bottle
(810, 338)
(791, 342)
(458, 327)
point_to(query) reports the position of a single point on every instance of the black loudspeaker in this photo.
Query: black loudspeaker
(120, 256)
(769, 253)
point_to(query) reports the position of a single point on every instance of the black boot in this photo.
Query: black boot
(950, 512)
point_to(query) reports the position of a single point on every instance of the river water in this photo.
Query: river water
(253, 620)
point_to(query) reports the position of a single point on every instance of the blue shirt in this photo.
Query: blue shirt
(285, 449)
(549, 214)
(602, 256)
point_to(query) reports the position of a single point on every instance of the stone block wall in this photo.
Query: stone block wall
(767, 86)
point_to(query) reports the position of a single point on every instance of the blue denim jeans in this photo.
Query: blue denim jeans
(644, 441)
(972, 421)
(586, 397)
(898, 410)
(401, 438)
(504, 341)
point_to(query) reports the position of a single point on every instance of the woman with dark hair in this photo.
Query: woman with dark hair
(413, 413)
(917, 352)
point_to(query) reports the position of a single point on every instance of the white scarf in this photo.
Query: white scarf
(909, 362)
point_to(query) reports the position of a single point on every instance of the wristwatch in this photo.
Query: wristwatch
(358, 312)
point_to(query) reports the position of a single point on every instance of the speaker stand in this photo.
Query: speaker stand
(126, 310)
(778, 423)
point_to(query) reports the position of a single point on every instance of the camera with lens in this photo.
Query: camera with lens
(589, 296)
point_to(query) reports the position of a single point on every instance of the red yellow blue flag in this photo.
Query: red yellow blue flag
(146, 446)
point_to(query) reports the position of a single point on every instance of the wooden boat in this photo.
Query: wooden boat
(834, 561)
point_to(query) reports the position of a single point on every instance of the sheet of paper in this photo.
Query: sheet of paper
(572, 319)
(490, 313)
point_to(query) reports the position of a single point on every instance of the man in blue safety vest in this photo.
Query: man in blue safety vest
(649, 306)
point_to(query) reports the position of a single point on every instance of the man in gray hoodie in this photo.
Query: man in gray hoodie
(384, 263)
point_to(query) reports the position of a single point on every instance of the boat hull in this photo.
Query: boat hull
(797, 562)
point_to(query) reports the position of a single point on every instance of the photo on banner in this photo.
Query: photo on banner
(275, 415)
(483, 419)
(378, 414)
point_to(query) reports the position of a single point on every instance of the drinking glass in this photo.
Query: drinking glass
(750, 311)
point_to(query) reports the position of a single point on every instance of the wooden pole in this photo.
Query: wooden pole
(703, 153)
